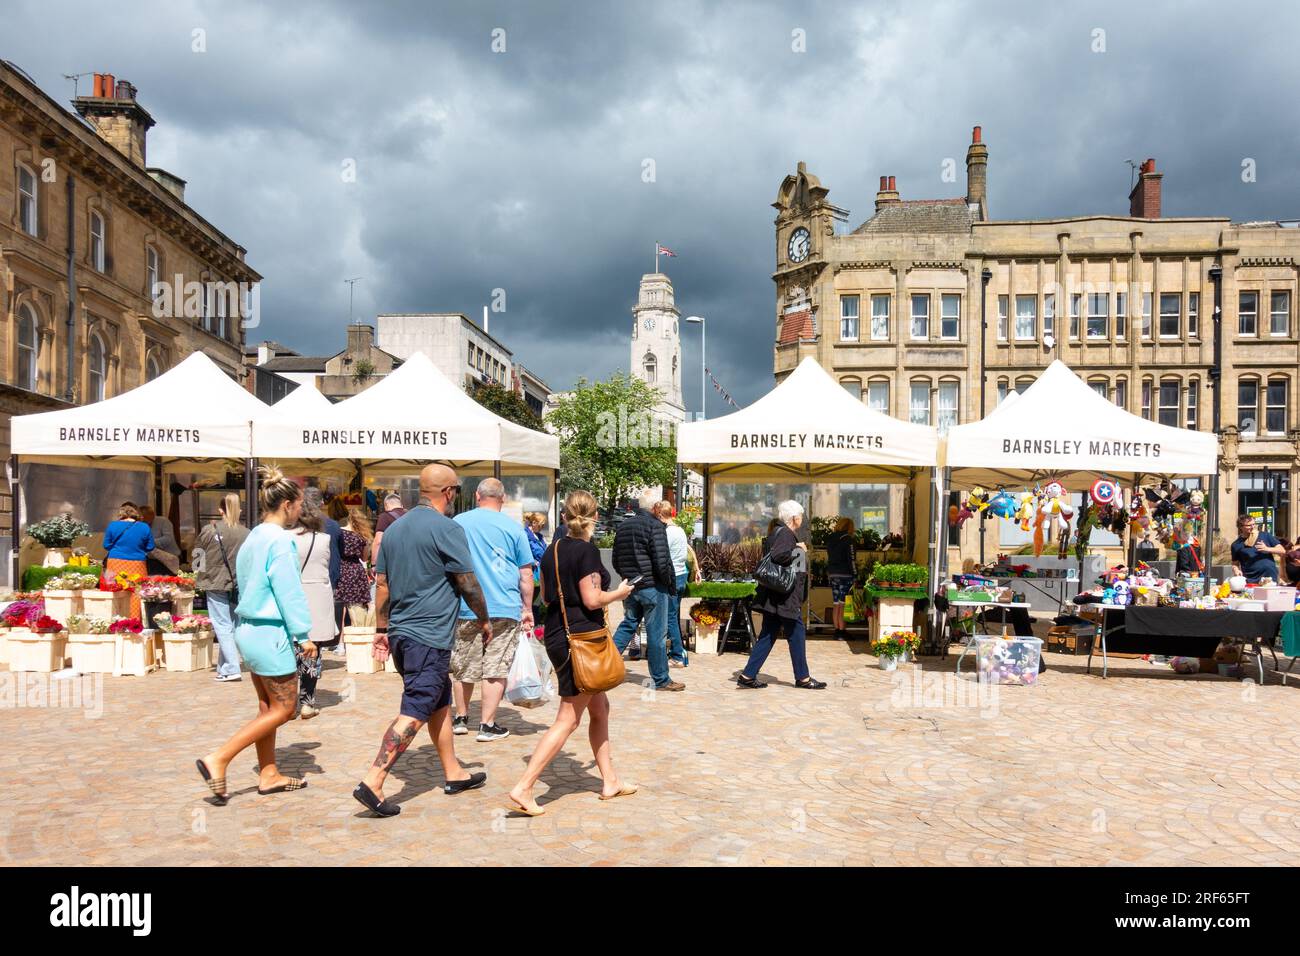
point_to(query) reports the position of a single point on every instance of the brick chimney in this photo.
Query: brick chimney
(1144, 200)
(977, 165)
(888, 192)
(361, 339)
(118, 119)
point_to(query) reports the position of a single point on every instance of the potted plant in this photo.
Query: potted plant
(187, 645)
(57, 534)
(893, 647)
(134, 650)
(90, 646)
(63, 594)
(41, 646)
(155, 594)
(707, 617)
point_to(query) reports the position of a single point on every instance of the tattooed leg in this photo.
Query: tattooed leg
(397, 738)
(272, 693)
(283, 694)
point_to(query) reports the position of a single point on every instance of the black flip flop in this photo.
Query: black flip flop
(216, 784)
(295, 783)
(372, 802)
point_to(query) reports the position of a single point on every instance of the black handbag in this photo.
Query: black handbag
(779, 579)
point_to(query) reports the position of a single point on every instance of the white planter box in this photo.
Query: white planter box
(61, 605)
(106, 604)
(134, 654)
(92, 653)
(359, 641)
(43, 653)
(188, 652)
(183, 606)
(706, 639)
(4, 645)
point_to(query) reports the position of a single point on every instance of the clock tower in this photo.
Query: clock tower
(657, 343)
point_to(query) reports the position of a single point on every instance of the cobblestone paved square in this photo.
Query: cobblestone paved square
(1146, 767)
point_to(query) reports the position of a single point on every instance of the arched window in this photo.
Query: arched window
(28, 348)
(1004, 387)
(1248, 405)
(1100, 386)
(28, 199)
(152, 368)
(949, 410)
(878, 395)
(97, 242)
(918, 401)
(650, 368)
(852, 385)
(96, 369)
(1121, 393)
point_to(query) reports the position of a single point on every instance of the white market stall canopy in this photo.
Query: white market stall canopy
(808, 428)
(305, 404)
(412, 415)
(1060, 428)
(190, 415)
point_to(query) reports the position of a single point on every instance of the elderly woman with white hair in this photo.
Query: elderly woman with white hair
(783, 612)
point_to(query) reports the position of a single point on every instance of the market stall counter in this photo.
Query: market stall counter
(1184, 632)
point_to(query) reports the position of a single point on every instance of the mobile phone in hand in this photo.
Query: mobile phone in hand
(636, 580)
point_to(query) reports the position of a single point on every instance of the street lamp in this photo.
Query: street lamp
(703, 368)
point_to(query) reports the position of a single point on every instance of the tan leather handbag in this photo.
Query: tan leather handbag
(597, 664)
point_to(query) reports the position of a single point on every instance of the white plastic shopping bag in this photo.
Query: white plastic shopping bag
(524, 685)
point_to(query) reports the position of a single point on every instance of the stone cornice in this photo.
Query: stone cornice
(1249, 261)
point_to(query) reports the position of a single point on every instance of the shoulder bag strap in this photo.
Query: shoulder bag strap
(309, 550)
(222, 545)
(555, 548)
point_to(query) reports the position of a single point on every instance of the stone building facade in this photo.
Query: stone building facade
(893, 309)
(107, 276)
(656, 355)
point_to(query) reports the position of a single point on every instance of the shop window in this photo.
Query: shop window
(1247, 405)
(1280, 313)
(1264, 494)
(1248, 313)
(1169, 404)
(1275, 407)
(848, 318)
(1169, 317)
(1026, 317)
(950, 317)
(880, 318)
(920, 316)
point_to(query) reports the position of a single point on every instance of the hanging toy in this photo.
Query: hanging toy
(1105, 492)
(1056, 503)
(1025, 509)
(1002, 505)
(1138, 519)
(978, 500)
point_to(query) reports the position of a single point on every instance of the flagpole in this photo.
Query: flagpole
(656, 257)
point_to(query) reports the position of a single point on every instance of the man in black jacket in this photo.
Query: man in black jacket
(641, 550)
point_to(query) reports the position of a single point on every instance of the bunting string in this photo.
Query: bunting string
(717, 387)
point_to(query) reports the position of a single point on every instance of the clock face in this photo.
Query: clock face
(798, 248)
(649, 325)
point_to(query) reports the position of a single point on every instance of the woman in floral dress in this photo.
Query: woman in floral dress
(354, 576)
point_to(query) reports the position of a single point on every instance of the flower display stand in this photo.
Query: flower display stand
(187, 652)
(893, 614)
(359, 641)
(134, 654)
(61, 605)
(43, 653)
(183, 604)
(92, 653)
(706, 639)
(105, 604)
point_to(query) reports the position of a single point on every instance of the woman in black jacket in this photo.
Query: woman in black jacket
(783, 611)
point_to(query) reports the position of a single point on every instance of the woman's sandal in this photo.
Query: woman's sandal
(752, 682)
(810, 684)
(216, 784)
(624, 791)
(516, 807)
(293, 783)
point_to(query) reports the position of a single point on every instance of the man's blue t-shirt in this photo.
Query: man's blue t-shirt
(499, 547)
(417, 555)
(1255, 564)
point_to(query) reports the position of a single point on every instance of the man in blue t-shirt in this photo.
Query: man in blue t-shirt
(424, 570)
(503, 564)
(1253, 553)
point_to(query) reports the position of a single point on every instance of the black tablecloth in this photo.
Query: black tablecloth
(1186, 632)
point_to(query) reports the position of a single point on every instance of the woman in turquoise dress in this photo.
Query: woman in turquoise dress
(273, 619)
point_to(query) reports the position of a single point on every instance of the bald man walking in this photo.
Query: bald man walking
(423, 572)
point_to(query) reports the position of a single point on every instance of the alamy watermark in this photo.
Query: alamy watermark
(84, 692)
(211, 303)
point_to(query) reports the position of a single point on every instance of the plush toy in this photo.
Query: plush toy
(1002, 505)
(978, 500)
(1138, 519)
(1123, 593)
(1025, 509)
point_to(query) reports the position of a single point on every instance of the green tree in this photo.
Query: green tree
(509, 405)
(611, 443)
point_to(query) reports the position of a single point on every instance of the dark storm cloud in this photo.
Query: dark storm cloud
(522, 170)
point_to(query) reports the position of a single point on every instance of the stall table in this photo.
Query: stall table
(1183, 632)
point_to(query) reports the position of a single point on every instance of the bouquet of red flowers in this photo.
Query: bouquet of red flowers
(23, 613)
(46, 625)
(126, 625)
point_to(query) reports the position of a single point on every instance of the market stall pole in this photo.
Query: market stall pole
(1216, 384)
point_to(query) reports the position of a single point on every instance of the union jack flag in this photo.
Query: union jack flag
(664, 251)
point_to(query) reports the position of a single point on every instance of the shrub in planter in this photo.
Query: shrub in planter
(59, 531)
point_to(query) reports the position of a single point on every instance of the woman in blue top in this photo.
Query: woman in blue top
(126, 543)
(273, 618)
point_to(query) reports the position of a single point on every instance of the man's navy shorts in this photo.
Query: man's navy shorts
(426, 683)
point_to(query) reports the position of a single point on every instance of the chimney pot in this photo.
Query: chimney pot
(1149, 166)
(892, 187)
(976, 133)
(99, 84)
(110, 86)
(884, 183)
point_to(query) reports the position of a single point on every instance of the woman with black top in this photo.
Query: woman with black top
(841, 568)
(783, 611)
(583, 580)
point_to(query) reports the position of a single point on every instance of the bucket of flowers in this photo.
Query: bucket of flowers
(113, 598)
(707, 618)
(40, 647)
(90, 647)
(893, 647)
